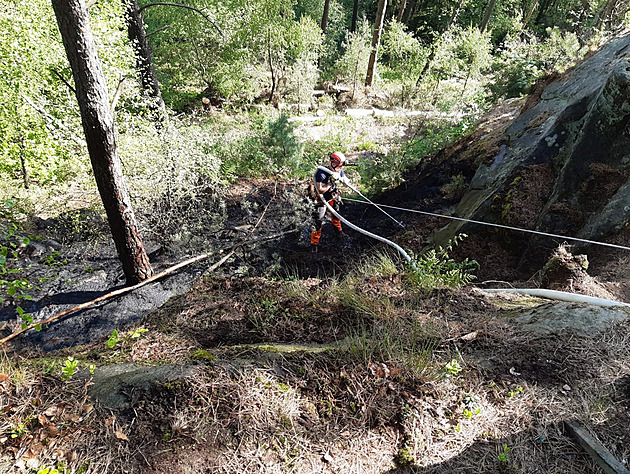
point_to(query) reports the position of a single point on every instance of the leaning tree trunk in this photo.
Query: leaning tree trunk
(401, 11)
(144, 60)
(98, 125)
(376, 39)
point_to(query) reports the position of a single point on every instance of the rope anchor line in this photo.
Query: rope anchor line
(500, 226)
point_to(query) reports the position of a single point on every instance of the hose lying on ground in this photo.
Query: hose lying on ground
(560, 296)
(359, 229)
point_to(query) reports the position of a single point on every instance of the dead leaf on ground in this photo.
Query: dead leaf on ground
(52, 410)
(470, 336)
(120, 435)
(379, 370)
(3, 377)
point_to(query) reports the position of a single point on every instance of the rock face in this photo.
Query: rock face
(562, 164)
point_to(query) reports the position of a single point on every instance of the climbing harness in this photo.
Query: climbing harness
(357, 228)
(500, 226)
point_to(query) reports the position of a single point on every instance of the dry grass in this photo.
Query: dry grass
(361, 406)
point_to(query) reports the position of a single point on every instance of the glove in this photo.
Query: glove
(336, 176)
(345, 180)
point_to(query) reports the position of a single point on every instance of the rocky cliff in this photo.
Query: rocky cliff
(560, 164)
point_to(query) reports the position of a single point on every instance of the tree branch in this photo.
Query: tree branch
(162, 28)
(50, 120)
(118, 92)
(179, 5)
(63, 79)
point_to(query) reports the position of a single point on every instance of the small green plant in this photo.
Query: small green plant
(518, 389)
(18, 430)
(436, 269)
(405, 457)
(503, 457)
(115, 338)
(455, 188)
(49, 367)
(70, 367)
(15, 287)
(51, 260)
(452, 369)
(47, 470)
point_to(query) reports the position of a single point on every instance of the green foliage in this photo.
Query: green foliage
(47, 470)
(452, 369)
(401, 49)
(18, 430)
(352, 65)
(40, 128)
(504, 455)
(436, 269)
(402, 342)
(233, 56)
(455, 188)
(386, 172)
(115, 337)
(70, 367)
(522, 61)
(11, 284)
(270, 147)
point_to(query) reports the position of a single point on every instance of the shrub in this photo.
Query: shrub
(523, 60)
(436, 269)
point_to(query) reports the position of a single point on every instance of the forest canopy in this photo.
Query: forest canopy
(456, 57)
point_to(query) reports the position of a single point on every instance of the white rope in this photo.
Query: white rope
(594, 242)
(374, 204)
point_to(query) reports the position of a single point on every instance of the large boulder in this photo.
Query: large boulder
(560, 165)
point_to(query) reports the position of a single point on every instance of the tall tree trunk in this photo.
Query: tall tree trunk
(355, 16)
(25, 177)
(324, 25)
(487, 15)
(144, 60)
(98, 125)
(376, 39)
(409, 11)
(401, 11)
(271, 69)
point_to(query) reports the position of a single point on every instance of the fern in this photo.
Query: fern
(436, 269)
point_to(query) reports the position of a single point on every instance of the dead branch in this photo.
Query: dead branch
(63, 79)
(118, 91)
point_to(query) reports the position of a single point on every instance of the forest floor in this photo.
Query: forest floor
(283, 360)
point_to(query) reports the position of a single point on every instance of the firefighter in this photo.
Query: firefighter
(325, 181)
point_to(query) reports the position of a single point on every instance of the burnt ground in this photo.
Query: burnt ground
(253, 368)
(277, 365)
